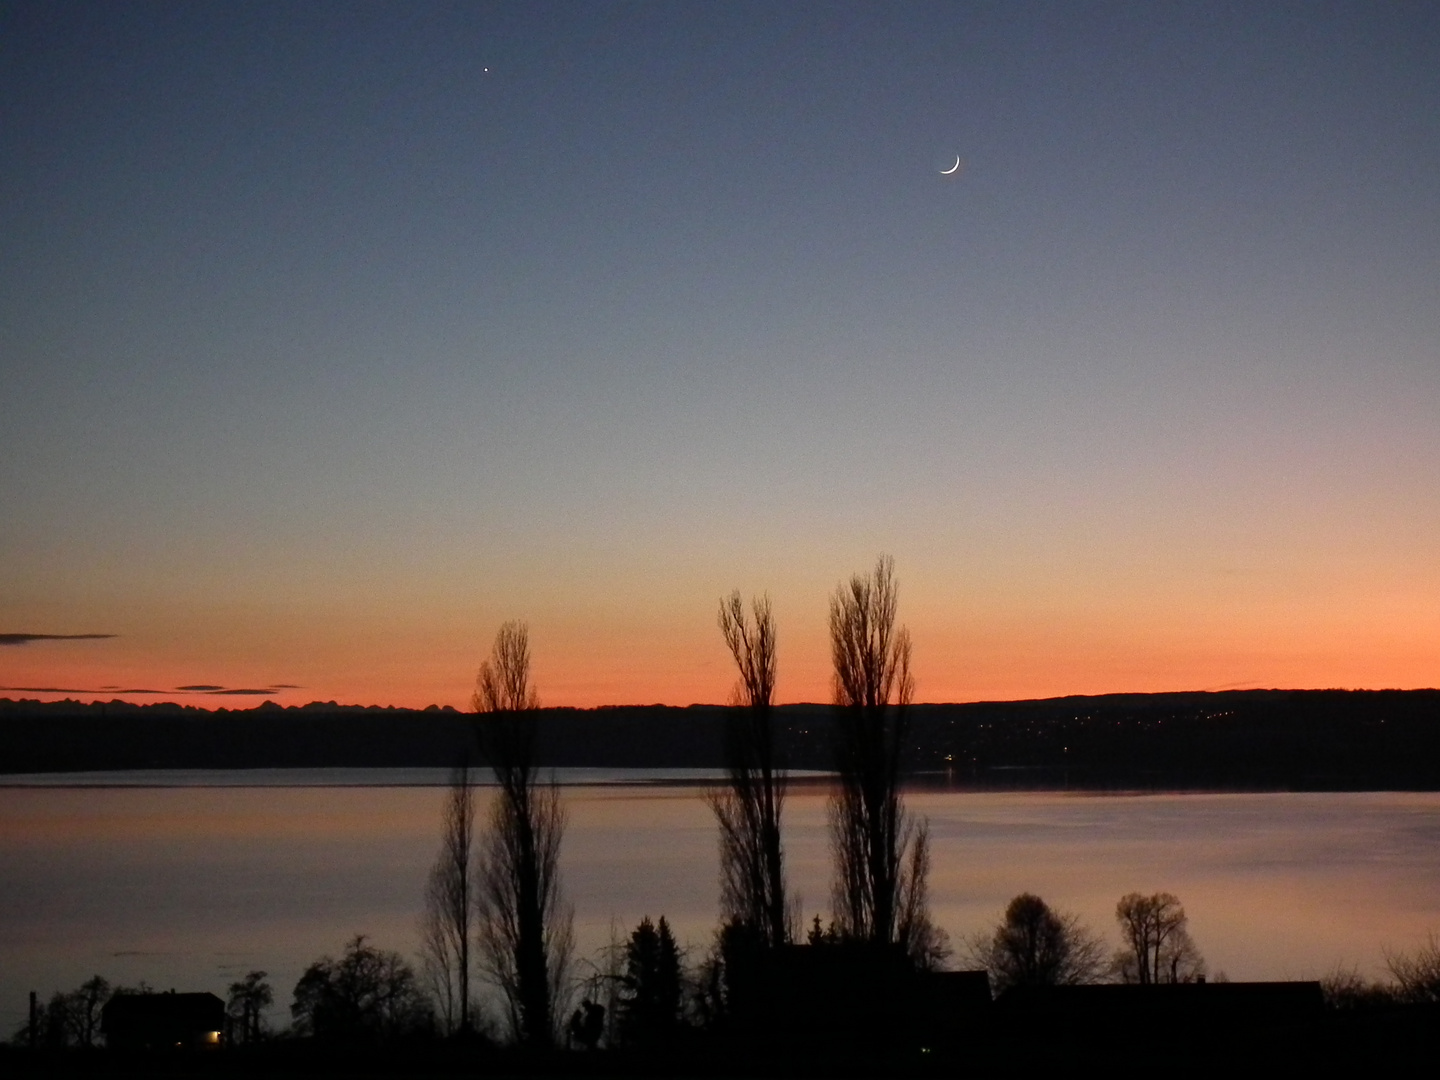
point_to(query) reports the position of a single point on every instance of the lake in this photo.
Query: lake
(189, 880)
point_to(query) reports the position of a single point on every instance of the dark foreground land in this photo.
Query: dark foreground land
(1266, 739)
(1024, 1042)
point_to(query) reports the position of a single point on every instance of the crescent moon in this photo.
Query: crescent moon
(953, 168)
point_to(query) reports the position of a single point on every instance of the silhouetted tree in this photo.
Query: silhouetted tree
(1157, 945)
(28, 1033)
(56, 1028)
(587, 1025)
(729, 981)
(605, 985)
(709, 993)
(653, 996)
(1417, 974)
(1346, 989)
(1036, 946)
(367, 994)
(89, 1000)
(752, 871)
(68, 1019)
(524, 926)
(249, 998)
(450, 901)
(881, 853)
(819, 934)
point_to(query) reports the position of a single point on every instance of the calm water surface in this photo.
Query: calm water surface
(193, 885)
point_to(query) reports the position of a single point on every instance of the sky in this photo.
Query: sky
(333, 336)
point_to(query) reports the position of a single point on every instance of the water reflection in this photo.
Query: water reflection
(193, 886)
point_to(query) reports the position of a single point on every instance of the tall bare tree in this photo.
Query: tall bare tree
(1157, 948)
(450, 899)
(524, 926)
(752, 869)
(881, 853)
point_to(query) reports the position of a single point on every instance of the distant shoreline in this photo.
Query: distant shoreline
(1250, 740)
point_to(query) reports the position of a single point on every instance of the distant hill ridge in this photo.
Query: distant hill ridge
(1300, 739)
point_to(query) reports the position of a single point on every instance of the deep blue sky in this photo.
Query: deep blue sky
(333, 334)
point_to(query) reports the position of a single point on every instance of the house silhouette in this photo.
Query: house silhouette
(168, 1021)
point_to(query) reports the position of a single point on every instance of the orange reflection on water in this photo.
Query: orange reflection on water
(194, 886)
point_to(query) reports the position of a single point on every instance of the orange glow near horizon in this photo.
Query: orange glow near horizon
(1375, 646)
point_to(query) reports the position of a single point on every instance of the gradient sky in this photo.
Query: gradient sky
(334, 335)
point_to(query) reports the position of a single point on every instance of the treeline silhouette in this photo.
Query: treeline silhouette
(829, 1006)
(1286, 739)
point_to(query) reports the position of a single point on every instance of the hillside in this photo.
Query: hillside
(1309, 739)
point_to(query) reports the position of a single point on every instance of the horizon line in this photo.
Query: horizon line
(269, 703)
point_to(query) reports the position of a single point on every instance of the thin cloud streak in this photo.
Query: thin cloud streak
(26, 639)
(202, 689)
(76, 690)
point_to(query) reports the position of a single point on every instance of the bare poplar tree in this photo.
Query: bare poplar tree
(752, 870)
(881, 853)
(524, 926)
(439, 963)
(450, 900)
